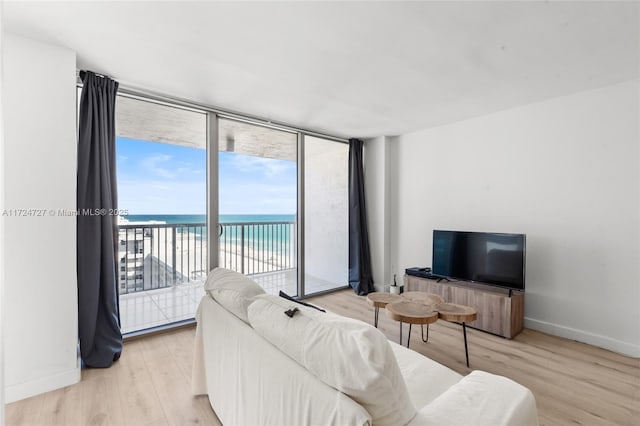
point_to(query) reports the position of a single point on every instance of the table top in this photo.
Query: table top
(380, 300)
(423, 297)
(419, 307)
(453, 312)
(411, 312)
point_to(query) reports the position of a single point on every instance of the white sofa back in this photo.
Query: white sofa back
(249, 381)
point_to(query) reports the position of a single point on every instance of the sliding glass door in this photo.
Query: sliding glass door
(257, 203)
(161, 172)
(200, 191)
(264, 231)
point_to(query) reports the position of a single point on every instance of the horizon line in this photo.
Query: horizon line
(204, 214)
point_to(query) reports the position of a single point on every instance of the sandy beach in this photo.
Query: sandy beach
(153, 250)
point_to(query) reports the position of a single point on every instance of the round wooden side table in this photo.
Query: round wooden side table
(412, 313)
(380, 300)
(458, 313)
(423, 297)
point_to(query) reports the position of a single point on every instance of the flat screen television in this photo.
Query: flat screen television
(482, 257)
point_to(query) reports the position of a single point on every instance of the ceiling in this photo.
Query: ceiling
(351, 69)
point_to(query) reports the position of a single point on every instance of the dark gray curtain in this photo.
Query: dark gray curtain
(360, 275)
(97, 239)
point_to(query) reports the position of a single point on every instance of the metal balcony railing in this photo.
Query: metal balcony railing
(154, 256)
(258, 247)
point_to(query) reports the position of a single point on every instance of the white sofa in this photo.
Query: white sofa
(249, 381)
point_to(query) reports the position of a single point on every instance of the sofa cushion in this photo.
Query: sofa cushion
(426, 379)
(488, 399)
(348, 355)
(232, 290)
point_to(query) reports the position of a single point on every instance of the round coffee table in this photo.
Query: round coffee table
(423, 297)
(406, 311)
(458, 313)
(380, 300)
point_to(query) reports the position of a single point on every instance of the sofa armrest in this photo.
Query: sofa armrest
(481, 399)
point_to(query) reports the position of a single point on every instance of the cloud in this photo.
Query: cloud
(267, 166)
(161, 165)
(142, 196)
(257, 198)
(156, 165)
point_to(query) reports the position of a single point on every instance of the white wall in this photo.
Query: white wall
(375, 180)
(377, 160)
(566, 173)
(40, 173)
(1, 233)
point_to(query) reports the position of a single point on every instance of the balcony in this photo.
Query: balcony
(163, 266)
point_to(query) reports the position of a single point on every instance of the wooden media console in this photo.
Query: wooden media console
(498, 312)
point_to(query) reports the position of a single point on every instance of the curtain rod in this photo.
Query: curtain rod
(133, 91)
(78, 72)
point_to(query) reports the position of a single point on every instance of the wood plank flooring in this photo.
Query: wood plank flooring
(149, 385)
(573, 383)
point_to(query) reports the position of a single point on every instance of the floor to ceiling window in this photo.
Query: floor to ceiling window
(161, 169)
(257, 172)
(280, 206)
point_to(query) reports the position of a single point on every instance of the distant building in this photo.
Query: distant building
(131, 253)
(148, 253)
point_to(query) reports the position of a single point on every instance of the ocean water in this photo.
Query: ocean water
(202, 219)
(268, 231)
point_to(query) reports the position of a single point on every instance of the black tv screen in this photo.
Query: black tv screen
(489, 258)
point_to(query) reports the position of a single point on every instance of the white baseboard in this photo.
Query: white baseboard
(604, 342)
(45, 384)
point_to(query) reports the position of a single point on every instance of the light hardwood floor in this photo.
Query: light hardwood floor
(149, 385)
(573, 383)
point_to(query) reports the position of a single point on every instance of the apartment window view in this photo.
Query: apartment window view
(162, 181)
(161, 169)
(257, 168)
(258, 197)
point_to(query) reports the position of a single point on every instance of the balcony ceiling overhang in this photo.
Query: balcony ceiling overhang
(149, 121)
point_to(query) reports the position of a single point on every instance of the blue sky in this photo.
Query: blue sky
(156, 178)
